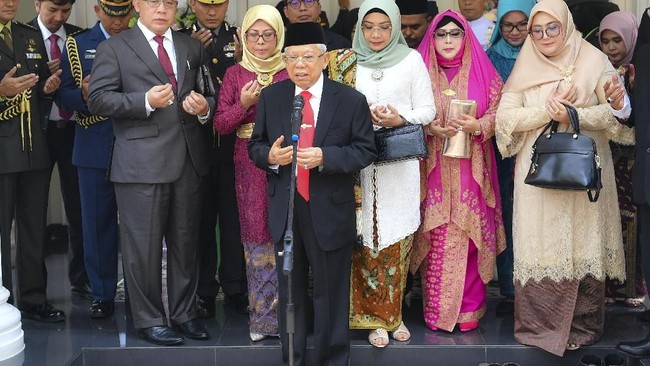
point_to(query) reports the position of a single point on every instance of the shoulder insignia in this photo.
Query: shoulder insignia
(75, 61)
(28, 26)
(78, 32)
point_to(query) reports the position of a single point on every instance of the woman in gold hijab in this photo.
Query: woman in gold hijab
(564, 246)
(261, 65)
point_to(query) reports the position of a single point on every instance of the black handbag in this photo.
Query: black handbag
(400, 143)
(565, 160)
(204, 83)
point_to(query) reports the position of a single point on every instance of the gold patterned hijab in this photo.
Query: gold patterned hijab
(270, 16)
(574, 62)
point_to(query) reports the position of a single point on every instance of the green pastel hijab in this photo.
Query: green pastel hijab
(394, 52)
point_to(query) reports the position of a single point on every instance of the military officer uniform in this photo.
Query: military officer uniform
(93, 140)
(219, 200)
(24, 172)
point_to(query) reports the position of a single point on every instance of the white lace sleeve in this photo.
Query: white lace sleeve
(514, 121)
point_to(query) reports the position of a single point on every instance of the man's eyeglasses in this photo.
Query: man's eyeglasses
(509, 27)
(169, 4)
(296, 3)
(254, 36)
(454, 33)
(382, 29)
(553, 30)
(308, 59)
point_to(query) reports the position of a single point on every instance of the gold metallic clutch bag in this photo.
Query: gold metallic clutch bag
(458, 145)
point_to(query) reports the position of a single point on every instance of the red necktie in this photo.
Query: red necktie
(165, 62)
(55, 54)
(306, 140)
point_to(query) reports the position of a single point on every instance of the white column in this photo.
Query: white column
(11, 331)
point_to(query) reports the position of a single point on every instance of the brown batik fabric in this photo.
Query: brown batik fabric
(551, 314)
(377, 285)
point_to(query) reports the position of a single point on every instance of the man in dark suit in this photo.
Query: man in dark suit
(25, 89)
(302, 11)
(219, 204)
(415, 20)
(93, 140)
(641, 181)
(336, 141)
(144, 79)
(51, 21)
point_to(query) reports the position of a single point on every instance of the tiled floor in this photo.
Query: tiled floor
(81, 341)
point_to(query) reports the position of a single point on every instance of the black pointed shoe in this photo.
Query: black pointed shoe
(636, 349)
(161, 335)
(43, 313)
(205, 307)
(193, 329)
(102, 309)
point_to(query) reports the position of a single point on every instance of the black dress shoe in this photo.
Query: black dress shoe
(506, 306)
(102, 309)
(636, 349)
(590, 360)
(161, 335)
(82, 291)
(43, 313)
(238, 302)
(614, 360)
(193, 329)
(205, 307)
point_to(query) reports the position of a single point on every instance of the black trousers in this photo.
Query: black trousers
(23, 196)
(60, 141)
(331, 302)
(219, 207)
(149, 214)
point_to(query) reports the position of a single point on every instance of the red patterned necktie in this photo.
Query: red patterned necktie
(55, 54)
(165, 61)
(306, 140)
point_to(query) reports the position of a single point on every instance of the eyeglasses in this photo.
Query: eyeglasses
(509, 27)
(307, 59)
(169, 4)
(296, 3)
(553, 30)
(381, 29)
(454, 33)
(254, 36)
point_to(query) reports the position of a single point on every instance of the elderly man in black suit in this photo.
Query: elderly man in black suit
(145, 79)
(336, 140)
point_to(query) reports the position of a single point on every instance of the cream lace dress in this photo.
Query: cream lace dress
(395, 187)
(559, 234)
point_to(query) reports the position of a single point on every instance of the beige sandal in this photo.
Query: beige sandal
(378, 338)
(634, 302)
(256, 337)
(402, 333)
(572, 346)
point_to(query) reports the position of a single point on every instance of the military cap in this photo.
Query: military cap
(116, 7)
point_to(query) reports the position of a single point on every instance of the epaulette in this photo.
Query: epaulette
(78, 32)
(75, 62)
(28, 26)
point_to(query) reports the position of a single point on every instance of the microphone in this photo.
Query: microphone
(296, 117)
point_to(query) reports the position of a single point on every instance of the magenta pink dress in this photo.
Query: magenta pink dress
(462, 229)
(252, 200)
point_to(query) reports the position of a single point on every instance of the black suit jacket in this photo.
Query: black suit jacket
(69, 29)
(641, 120)
(345, 135)
(16, 154)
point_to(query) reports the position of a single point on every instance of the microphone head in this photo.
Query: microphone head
(298, 102)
